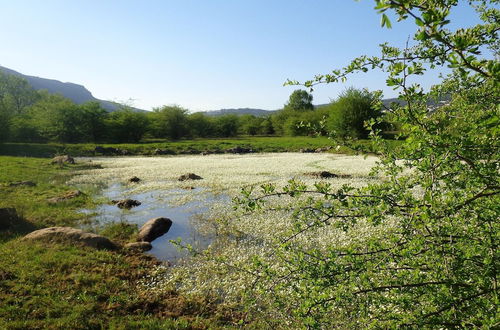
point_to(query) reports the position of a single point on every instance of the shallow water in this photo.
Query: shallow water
(161, 193)
(156, 204)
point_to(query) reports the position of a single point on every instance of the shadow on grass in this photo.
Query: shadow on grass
(12, 225)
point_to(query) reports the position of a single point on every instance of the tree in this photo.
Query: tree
(57, 118)
(226, 125)
(15, 96)
(421, 247)
(300, 100)
(350, 111)
(126, 125)
(170, 122)
(201, 125)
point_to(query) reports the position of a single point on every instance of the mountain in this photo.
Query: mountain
(240, 111)
(77, 93)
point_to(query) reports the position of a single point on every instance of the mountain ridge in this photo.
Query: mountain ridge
(75, 92)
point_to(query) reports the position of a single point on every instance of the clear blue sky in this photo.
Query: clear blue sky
(199, 54)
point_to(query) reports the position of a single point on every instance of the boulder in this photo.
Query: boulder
(64, 159)
(239, 150)
(138, 246)
(110, 151)
(191, 151)
(8, 217)
(323, 174)
(126, 203)
(153, 229)
(22, 183)
(65, 197)
(306, 150)
(323, 149)
(71, 236)
(189, 176)
(134, 179)
(164, 152)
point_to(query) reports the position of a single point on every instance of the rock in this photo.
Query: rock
(191, 151)
(189, 176)
(323, 149)
(111, 151)
(153, 229)
(8, 217)
(134, 179)
(164, 152)
(65, 197)
(323, 174)
(239, 150)
(126, 203)
(306, 150)
(104, 150)
(72, 236)
(22, 183)
(138, 246)
(63, 159)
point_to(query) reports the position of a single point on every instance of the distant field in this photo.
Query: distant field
(257, 144)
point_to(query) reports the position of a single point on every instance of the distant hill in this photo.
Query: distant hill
(77, 93)
(240, 111)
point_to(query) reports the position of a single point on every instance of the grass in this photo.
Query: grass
(67, 287)
(31, 202)
(258, 144)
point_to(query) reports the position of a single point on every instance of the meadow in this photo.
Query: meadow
(121, 288)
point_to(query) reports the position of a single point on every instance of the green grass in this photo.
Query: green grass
(65, 287)
(31, 202)
(258, 144)
(57, 286)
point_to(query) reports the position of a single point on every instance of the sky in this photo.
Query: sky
(199, 54)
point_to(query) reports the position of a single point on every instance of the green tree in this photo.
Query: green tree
(93, 122)
(57, 118)
(300, 100)
(423, 239)
(170, 122)
(201, 125)
(350, 111)
(126, 125)
(249, 124)
(226, 125)
(16, 95)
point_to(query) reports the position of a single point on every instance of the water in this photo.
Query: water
(158, 204)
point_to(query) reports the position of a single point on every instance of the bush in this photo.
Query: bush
(349, 113)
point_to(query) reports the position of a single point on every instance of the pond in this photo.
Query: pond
(162, 195)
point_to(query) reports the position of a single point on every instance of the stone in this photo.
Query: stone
(69, 195)
(239, 150)
(323, 174)
(111, 151)
(163, 152)
(63, 159)
(138, 246)
(134, 179)
(71, 236)
(126, 203)
(153, 229)
(306, 150)
(22, 183)
(189, 176)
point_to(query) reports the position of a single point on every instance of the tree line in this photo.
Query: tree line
(27, 115)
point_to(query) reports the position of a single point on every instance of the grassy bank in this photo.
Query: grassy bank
(66, 287)
(258, 144)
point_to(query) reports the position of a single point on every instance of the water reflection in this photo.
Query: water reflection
(159, 204)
